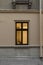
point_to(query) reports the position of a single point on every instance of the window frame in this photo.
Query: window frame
(22, 21)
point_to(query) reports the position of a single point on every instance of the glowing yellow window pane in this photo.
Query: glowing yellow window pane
(24, 25)
(18, 37)
(18, 25)
(24, 37)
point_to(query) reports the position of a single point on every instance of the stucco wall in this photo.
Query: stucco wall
(19, 56)
(7, 27)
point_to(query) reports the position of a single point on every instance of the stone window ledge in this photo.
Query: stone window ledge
(20, 46)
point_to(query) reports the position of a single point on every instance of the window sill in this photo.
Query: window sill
(20, 46)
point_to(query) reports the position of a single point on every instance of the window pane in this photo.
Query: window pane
(24, 37)
(24, 25)
(18, 37)
(18, 25)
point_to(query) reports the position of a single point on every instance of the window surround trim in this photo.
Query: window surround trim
(21, 21)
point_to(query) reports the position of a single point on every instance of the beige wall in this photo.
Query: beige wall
(7, 27)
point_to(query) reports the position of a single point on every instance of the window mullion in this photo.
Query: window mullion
(27, 33)
(21, 33)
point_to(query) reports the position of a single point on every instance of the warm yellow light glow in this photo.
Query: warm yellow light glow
(24, 25)
(24, 37)
(18, 37)
(18, 25)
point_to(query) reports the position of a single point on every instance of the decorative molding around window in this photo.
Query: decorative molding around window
(22, 28)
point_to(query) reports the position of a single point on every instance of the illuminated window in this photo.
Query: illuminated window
(22, 33)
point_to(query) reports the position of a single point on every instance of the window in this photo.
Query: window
(22, 33)
(25, 4)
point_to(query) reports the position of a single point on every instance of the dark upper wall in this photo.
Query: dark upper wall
(6, 4)
(41, 4)
(35, 4)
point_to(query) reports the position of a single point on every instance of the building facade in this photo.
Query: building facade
(10, 53)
